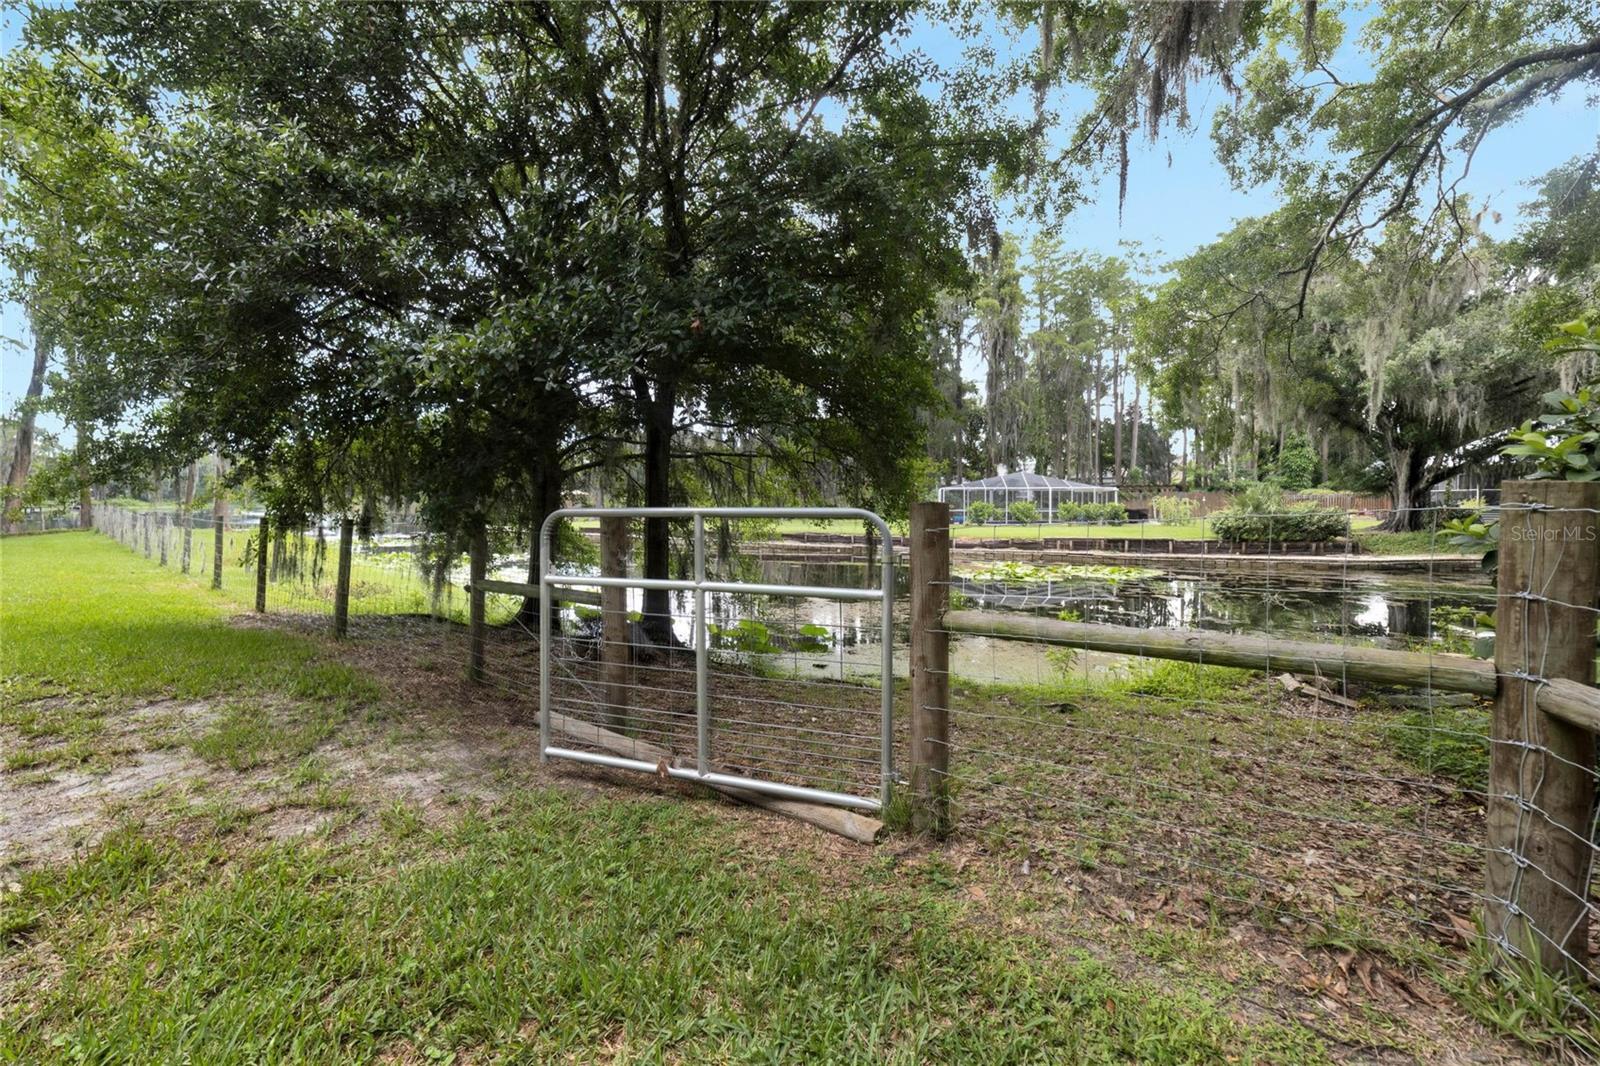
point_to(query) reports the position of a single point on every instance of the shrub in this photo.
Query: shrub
(1091, 512)
(1105, 512)
(1258, 497)
(982, 513)
(1173, 510)
(1259, 514)
(1305, 522)
(1024, 511)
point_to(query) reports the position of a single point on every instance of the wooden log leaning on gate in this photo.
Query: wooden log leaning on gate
(846, 823)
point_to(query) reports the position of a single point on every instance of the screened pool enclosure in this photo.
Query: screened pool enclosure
(1048, 494)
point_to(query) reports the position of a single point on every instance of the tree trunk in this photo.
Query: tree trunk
(191, 475)
(1116, 414)
(1408, 491)
(548, 481)
(85, 495)
(22, 457)
(1133, 442)
(656, 412)
(219, 522)
(1094, 420)
(1237, 445)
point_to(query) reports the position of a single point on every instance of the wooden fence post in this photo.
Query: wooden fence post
(1541, 792)
(145, 526)
(930, 667)
(219, 522)
(871, 539)
(341, 590)
(478, 554)
(187, 515)
(615, 649)
(261, 566)
(161, 536)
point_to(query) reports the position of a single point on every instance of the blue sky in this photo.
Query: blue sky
(1171, 208)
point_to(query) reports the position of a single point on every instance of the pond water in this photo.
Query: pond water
(829, 638)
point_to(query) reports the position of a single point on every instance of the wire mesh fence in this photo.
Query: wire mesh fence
(778, 682)
(391, 585)
(1362, 802)
(1135, 762)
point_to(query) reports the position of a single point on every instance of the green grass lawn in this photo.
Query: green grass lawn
(1422, 542)
(549, 924)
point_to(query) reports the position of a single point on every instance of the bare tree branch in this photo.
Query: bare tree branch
(1429, 129)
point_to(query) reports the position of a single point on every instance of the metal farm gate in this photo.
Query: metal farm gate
(754, 719)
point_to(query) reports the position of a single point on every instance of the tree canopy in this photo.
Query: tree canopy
(463, 254)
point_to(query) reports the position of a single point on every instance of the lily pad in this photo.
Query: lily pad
(1016, 573)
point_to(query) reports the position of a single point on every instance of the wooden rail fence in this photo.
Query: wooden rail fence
(1541, 792)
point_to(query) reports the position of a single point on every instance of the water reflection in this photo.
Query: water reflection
(830, 638)
(1383, 613)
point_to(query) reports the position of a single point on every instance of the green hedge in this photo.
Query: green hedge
(982, 513)
(1091, 512)
(1303, 523)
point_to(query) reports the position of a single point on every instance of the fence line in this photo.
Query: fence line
(1528, 875)
(1416, 819)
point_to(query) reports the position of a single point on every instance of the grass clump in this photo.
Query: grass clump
(1447, 741)
(1169, 682)
(252, 733)
(1543, 1010)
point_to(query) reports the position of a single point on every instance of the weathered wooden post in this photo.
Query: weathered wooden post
(872, 552)
(161, 536)
(478, 554)
(341, 590)
(261, 566)
(930, 667)
(615, 649)
(1541, 788)
(219, 522)
(145, 526)
(188, 515)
